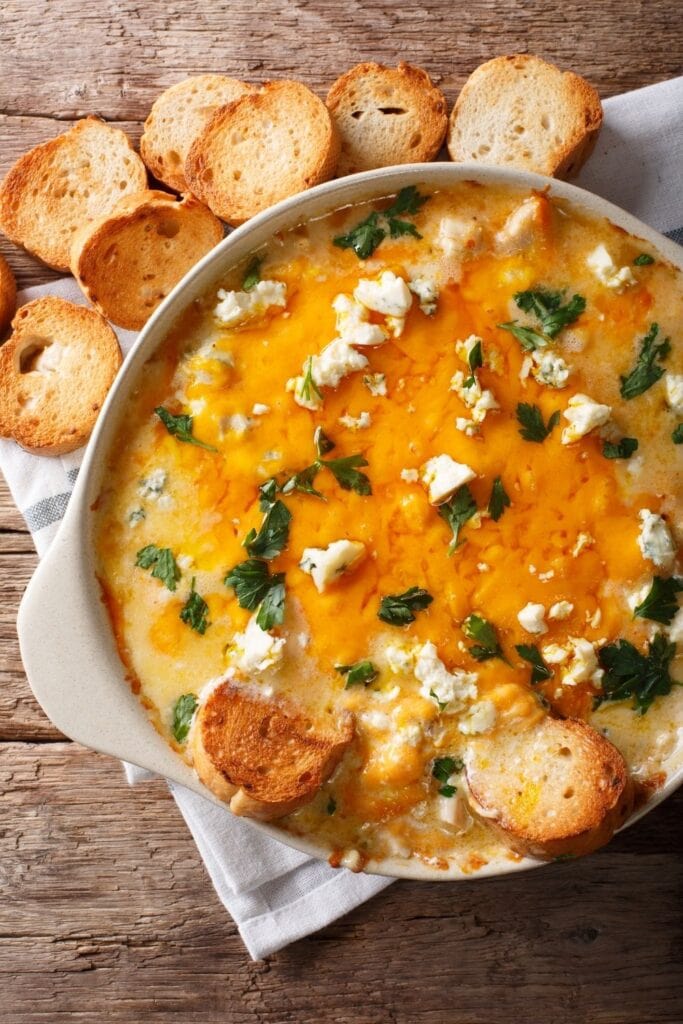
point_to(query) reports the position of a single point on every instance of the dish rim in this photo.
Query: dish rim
(62, 622)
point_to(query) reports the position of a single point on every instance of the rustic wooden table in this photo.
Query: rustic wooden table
(106, 911)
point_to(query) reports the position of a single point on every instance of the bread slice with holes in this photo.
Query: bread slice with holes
(129, 260)
(62, 184)
(265, 146)
(8, 295)
(55, 371)
(177, 118)
(522, 112)
(557, 789)
(386, 116)
(263, 756)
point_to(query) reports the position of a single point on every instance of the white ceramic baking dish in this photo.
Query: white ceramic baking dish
(66, 641)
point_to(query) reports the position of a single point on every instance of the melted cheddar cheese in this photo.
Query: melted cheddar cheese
(570, 539)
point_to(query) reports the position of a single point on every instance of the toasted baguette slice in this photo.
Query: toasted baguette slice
(129, 260)
(55, 372)
(262, 148)
(521, 112)
(263, 757)
(386, 116)
(559, 788)
(8, 295)
(176, 119)
(64, 183)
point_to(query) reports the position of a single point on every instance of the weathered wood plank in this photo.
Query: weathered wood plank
(97, 877)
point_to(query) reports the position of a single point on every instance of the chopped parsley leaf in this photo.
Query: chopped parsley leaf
(441, 703)
(487, 646)
(161, 562)
(629, 673)
(399, 609)
(499, 500)
(369, 233)
(548, 308)
(677, 434)
(268, 494)
(622, 449)
(254, 586)
(252, 275)
(273, 535)
(643, 260)
(646, 372)
(347, 475)
(660, 605)
(181, 427)
(539, 669)
(444, 767)
(530, 419)
(183, 712)
(528, 338)
(447, 790)
(303, 482)
(362, 672)
(456, 512)
(309, 386)
(475, 358)
(195, 611)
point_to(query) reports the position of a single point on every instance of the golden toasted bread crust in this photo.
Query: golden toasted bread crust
(55, 372)
(62, 184)
(176, 119)
(386, 116)
(520, 111)
(128, 261)
(265, 146)
(264, 756)
(8, 295)
(558, 789)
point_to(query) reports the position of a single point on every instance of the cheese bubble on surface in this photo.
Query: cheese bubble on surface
(673, 383)
(532, 618)
(655, 540)
(325, 565)
(234, 308)
(389, 294)
(255, 650)
(605, 269)
(442, 475)
(583, 415)
(450, 688)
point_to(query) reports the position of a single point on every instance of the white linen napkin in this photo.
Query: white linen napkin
(275, 894)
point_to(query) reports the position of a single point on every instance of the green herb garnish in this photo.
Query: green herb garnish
(254, 586)
(628, 673)
(268, 494)
(539, 669)
(399, 609)
(323, 443)
(499, 500)
(161, 562)
(643, 260)
(181, 427)
(660, 605)
(622, 449)
(456, 512)
(308, 385)
(442, 770)
(252, 275)
(530, 419)
(646, 372)
(441, 703)
(367, 235)
(303, 482)
(487, 646)
(548, 308)
(347, 475)
(475, 361)
(194, 612)
(273, 534)
(361, 673)
(677, 434)
(183, 710)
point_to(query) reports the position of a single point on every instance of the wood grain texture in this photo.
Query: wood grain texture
(587, 941)
(106, 912)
